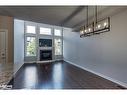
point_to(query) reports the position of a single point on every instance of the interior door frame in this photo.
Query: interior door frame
(6, 33)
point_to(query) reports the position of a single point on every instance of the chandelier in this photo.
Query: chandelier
(96, 27)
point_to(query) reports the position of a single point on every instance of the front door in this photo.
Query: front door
(3, 47)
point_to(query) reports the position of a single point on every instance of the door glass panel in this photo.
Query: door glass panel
(58, 46)
(31, 46)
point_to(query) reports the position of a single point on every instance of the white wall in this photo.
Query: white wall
(18, 44)
(104, 54)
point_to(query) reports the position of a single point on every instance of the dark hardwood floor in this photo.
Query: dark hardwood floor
(58, 75)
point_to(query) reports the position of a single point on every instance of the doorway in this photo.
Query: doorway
(3, 46)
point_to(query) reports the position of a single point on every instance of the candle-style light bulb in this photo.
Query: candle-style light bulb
(89, 29)
(85, 31)
(105, 24)
(99, 26)
(81, 32)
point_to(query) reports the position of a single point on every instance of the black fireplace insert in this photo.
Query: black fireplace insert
(45, 55)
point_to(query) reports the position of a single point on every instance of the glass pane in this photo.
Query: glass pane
(45, 31)
(57, 32)
(58, 47)
(31, 46)
(103, 24)
(30, 29)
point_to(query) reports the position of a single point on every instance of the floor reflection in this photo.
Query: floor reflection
(50, 76)
(57, 76)
(30, 77)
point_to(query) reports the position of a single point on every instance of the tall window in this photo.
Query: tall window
(30, 40)
(45, 31)
(58, 46)
(31, 46)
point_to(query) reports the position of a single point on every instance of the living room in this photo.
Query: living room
(42, 47)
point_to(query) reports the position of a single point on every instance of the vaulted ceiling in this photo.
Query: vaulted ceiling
(67, 16)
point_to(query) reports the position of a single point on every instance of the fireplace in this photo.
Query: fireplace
(45, 55)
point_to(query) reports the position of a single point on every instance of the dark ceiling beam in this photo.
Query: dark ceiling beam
(78, 10)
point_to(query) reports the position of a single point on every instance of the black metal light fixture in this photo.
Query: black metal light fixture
(88, 29)
(102, 25)
(96, 27)
(84, 29)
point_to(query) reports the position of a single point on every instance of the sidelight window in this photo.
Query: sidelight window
(31, 46)
(58, 46)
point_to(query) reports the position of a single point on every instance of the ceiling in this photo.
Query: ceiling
(67, 16)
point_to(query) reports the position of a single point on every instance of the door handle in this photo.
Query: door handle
(3, 54)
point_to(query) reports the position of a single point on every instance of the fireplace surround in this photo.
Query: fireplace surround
(45, 49)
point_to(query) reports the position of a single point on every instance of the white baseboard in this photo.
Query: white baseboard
(30, 62)
(44, 61)
(39, 61)
(99, 74)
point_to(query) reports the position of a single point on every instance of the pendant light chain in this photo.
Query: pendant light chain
(87, 16)
(96, 13)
